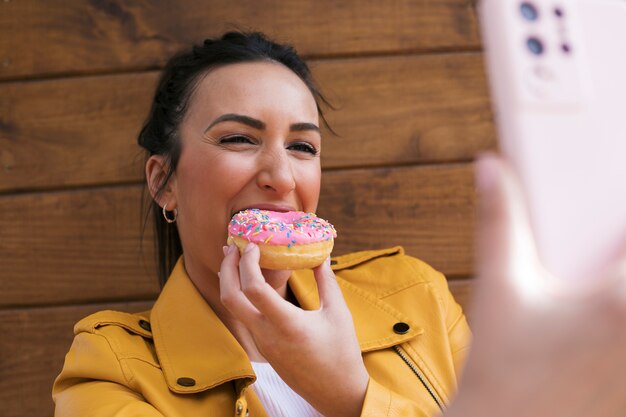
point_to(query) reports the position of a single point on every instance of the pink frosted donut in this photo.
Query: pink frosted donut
(290, 240)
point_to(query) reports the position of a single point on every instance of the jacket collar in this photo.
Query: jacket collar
(373, 319)
(191, 341)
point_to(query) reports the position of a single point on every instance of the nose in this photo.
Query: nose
(275, 172)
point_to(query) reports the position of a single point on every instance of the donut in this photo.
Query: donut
(287, 240)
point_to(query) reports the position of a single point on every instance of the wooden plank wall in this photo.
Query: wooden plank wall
(76, 78)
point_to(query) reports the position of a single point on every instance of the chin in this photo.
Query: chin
(276, 278)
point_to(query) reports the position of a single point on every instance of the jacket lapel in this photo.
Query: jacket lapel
(374, 319)
(191, 341)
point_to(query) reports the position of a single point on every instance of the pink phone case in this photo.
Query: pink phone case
(557, 72)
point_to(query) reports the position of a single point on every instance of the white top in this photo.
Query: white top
(278, 399)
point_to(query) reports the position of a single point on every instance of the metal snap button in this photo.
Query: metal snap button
(145, 325)
(186, 382)
(401, 328)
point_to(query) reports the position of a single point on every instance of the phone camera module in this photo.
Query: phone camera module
(529, 11)
(535, 46)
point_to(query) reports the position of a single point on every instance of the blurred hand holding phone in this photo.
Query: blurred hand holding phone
(544, 347)
(557, 73)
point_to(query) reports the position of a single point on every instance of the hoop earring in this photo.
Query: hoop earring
(169, 219)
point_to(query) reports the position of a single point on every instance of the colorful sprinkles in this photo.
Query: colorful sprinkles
(289, 228)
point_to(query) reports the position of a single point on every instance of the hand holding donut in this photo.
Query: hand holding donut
(315, 352)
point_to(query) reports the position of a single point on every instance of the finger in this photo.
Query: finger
(231, 294)
(506, 250)
(327, 286)
(260, 293)
(616, 277)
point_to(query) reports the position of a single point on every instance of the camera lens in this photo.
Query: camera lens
(529, 11)
(535, 46)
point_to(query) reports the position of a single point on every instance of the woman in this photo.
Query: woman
(235, 125)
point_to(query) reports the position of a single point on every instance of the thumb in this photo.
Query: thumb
(327, 286)
(507, 256)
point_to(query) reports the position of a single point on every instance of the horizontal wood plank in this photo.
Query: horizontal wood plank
(85, 246)
(400, 110)
(40, 338)
(429, 210)
(42, 38)
(73, 131)
(75, 247)
(32, 350)
(406, 109)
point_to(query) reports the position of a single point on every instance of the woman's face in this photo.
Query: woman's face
(250, 139)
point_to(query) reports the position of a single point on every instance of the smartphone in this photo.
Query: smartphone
(557, 78)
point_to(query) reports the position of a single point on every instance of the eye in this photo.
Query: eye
(236, 139)
(304, 147)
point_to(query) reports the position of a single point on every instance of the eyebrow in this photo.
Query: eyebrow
(299, 127)
(258, 124)
(239, 118)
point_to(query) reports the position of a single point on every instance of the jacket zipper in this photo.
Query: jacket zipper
(417, 373)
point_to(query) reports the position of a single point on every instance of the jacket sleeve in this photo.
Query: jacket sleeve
(92, 383)
(459, 334)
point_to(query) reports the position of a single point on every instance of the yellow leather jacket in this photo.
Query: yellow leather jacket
(179, 360)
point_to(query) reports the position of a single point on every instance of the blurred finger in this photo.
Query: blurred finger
(506, 251)
(617, 277)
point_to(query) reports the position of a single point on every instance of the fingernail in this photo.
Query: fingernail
(486, 171)
(231, 249)
(225, 250)
(249, 247)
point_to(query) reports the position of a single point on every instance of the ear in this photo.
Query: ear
(156, 172)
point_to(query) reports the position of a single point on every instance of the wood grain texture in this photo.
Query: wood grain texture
(406, 109)
(73, 132)
(33, 356)
(429, 210)
(75, 247)
(84, 246)
(391, 110)
(43, 38)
